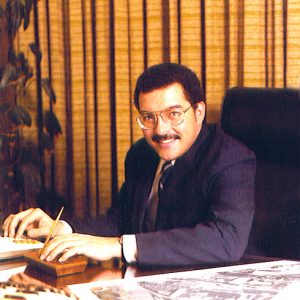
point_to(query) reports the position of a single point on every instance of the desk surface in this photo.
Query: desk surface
(109, 270)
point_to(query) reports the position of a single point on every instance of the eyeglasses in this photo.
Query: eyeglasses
(172, 116)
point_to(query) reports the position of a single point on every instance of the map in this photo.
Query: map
(260, 281)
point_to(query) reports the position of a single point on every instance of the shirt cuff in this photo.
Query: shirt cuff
(67, 228)
(129, 248)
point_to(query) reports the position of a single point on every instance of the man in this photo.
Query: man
(199, 210)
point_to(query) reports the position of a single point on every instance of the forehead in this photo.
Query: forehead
(163, 98)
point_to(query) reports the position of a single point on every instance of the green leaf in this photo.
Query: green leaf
(15, 9)
(23, 65)
(20, 116)
(52, 124)
(21, 60)
(36, 51)
(48, 89)
(27, 9)
(8, 74)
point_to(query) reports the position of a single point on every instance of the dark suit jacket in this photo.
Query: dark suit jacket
(205, 212)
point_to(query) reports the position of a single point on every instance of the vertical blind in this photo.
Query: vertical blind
(93, 52)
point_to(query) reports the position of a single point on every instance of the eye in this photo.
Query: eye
(148, 117)
(174, 114)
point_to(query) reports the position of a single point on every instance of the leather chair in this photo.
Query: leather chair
(267, 120)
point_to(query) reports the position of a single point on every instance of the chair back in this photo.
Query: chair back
(267, 120)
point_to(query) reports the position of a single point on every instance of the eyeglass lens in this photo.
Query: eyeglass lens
(172, 116)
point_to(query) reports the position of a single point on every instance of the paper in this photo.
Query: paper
(262, 281)
(10, 247)
(8, 273)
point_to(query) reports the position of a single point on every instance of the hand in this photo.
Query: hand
(33, 220)
(95, 247)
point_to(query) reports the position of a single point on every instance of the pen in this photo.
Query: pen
(51, 231)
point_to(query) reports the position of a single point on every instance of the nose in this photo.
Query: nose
(161, 126)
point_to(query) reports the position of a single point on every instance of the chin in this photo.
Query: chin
(167, 156)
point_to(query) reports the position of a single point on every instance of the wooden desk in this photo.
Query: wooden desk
(96, 271)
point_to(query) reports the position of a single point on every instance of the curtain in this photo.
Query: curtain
(93, 52)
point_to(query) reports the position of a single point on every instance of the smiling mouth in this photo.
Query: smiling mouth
(165, 139)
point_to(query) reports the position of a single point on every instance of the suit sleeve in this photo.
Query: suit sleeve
(221, 239)
(108, 225)
(113, 223)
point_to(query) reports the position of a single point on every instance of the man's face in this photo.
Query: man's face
(170, 142)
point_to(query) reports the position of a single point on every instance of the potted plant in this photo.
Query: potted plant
(22, 160)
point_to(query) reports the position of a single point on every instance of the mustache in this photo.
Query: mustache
(158, 138)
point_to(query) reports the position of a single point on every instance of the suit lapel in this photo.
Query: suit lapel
(143, 189)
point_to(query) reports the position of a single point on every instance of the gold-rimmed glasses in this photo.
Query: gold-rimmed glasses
(172, 116)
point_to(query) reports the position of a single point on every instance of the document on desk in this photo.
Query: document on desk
(276, 280)
(10, 247)
(5, 275)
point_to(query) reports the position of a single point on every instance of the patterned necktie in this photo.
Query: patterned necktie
(151, 211)
(165, 171)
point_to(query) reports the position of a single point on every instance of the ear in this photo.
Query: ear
(200, 109)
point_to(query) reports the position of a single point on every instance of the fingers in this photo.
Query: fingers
(12, 221)
(69, 253)
(33, 216)
(15, 225)
(64, 246)
(36, 233)
(98, 248)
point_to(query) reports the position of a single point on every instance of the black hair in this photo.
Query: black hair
(164, 74)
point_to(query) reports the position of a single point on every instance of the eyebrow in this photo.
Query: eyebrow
(168, 108)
